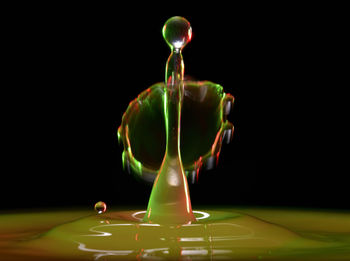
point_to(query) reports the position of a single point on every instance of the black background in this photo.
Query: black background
(72, 73)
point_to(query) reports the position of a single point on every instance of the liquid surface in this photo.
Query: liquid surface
(218, 234)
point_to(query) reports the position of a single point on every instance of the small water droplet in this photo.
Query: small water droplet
(177, 32)
(227, 136)
(228, 107)
(100, 207)
(210, 164)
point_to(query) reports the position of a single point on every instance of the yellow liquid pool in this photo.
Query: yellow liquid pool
(218, 234)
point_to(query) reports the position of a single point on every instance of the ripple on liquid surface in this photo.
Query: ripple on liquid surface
(231, 234)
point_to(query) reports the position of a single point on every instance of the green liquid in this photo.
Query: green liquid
(156, 146)
(204, 128)
(170, 199)
(231, 234)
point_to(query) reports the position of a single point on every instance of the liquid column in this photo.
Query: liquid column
(170, 199)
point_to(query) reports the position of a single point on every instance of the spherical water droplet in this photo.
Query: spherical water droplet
(177, 32)
(100, 207)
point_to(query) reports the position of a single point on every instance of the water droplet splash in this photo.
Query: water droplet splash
(202, 106)
(100, 207)
(177, 115)
(170, 201)
(199, 110)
